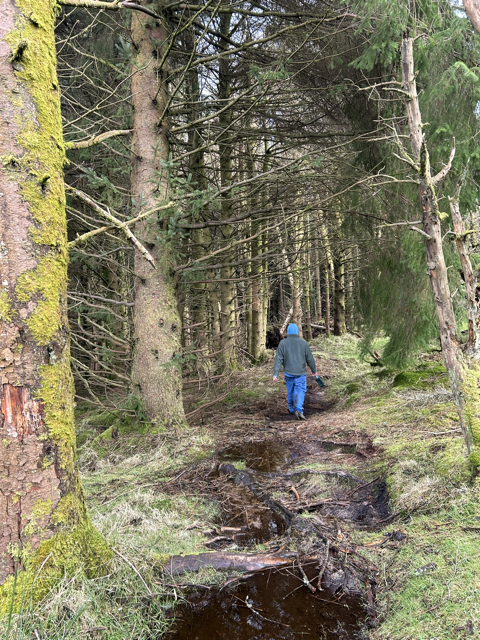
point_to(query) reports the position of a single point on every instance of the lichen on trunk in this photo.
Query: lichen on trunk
(39, 475)
(462, 365)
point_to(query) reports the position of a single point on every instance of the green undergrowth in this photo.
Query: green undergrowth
(239, 397)
(241, 388)
(348, 378)
(144, 524)
(424, 376)
(128, 467)
(428, 586)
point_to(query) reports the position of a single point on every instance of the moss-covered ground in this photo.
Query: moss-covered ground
(427, 581)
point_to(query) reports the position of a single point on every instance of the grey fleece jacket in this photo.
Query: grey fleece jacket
(293, 353)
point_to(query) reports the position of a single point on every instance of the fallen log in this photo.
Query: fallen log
(223, 561)
(302, 472)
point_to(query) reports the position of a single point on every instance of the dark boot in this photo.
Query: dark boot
(299, 415)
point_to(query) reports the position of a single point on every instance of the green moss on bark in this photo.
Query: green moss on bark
(47, 284)
(56, 392)
(68, 541)
(68, 552)
(424, 377)
(6, 311)
(41, 132)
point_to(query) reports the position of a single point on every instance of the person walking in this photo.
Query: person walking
(294, 354)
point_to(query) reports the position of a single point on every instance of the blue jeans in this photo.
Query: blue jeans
(296, 390)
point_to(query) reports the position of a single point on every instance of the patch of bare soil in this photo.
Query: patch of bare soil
(275, 408)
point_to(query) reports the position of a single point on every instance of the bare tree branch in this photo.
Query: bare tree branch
(84, 144)
(115, 222)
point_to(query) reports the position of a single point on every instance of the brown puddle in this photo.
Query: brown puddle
(263, 455)
(340, 447)
(280, 607)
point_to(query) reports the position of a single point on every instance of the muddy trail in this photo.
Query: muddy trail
(300, 490)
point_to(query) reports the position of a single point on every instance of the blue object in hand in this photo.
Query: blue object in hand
(319, 381)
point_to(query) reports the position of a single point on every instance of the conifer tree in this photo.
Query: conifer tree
(45, 524)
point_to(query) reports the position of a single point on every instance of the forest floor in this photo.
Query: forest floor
(362, 522)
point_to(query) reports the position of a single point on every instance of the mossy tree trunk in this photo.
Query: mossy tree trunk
(339, 325)
(157, 324)
(258, 298)
(297, 316)
(463, 367)
(44, 521)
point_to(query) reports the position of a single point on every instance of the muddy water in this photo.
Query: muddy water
(281, 608)
(264, 455)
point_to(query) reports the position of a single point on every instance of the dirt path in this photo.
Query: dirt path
(299, 490)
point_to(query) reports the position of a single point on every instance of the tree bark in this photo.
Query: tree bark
(327, 300)
(472, 8)
(199, 236)
(44, 521)
(318, 289)
(469, 276)
(297, 317)
(463, 371)
(307, 282)
(227, 285)
(157, 324)
(339, 327)
(329, 278)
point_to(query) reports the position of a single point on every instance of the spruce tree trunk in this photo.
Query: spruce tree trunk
(463, 369)
(43, 517)
(327, 300)
(157, 323)
(339, 327)
(318, 291)
(258, 344)
(329, 280)
(248, 302)
(282, 298)
(215, 317)
(259, 298)
(307, 280)
(227, 285)
(308, 316)
(297, 317)
(199, 236)
(469, 276)
(265, 295)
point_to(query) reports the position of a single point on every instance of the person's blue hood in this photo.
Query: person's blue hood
(292, 329)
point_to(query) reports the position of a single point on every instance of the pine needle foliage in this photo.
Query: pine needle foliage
(394, 289)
